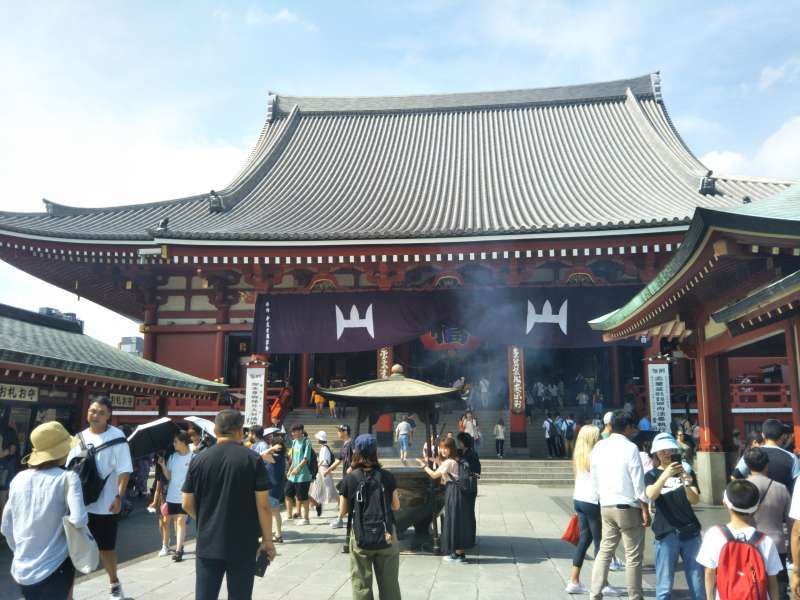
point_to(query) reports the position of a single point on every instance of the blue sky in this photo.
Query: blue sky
(115, 102)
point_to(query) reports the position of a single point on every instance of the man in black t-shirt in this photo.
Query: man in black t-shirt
(673, 487)
(226, 492)
(783, 466)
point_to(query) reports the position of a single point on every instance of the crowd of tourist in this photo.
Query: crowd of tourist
(233, 485)
(235, 488)
(616, 497)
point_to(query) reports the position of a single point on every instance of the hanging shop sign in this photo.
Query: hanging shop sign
(20, 393)
(541, 317)
(660, 403)
(254, 396)
(122, 400)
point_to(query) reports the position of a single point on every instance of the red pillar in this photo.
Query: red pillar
(709, 402)
(792, 334)
(302, 396)
(616, 377)
(149, 346)
(384, 428)
(223, 314)
(516, 397)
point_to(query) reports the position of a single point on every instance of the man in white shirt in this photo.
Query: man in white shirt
(114, 465)
(618, 480)
(403, 434)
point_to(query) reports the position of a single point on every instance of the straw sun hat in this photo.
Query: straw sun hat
(50, 442)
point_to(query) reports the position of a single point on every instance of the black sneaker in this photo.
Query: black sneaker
(319, 510)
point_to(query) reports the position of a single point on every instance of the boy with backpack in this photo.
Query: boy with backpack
(741, 563)
(369, 497)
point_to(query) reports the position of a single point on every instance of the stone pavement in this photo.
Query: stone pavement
(520, 556)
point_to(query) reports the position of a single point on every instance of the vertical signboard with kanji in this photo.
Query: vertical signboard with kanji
(660, 403)
(254, 396)
(516, 379)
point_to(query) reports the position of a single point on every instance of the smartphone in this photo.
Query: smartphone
(262, 562)
(676, 458)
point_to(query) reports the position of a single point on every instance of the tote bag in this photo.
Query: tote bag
(83, 551)
(573, 531)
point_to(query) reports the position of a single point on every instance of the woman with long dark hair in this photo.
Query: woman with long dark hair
(458, 530)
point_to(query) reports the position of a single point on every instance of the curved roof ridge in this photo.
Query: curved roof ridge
(261, 159)
(756, 179)
(55, 209)
(642, 86)
(659, 144)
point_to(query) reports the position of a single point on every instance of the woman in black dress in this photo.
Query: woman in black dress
(458, 529)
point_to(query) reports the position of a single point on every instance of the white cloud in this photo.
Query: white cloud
(221, 14)
(787, 72)
(78, 151)
(257, 16)
(777, 156)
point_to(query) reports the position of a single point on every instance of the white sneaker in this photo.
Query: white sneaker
(164, 551)
(575, 588)
(116, 592)
(610, 590)
(616, 565)
(337, 524)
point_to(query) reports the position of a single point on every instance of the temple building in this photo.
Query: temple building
(464, 235)
(51, 371)
(727, 306)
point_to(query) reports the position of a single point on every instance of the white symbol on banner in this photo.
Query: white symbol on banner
(354, 322)
(547, 316)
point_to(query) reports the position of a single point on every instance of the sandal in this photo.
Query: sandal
(178, 557)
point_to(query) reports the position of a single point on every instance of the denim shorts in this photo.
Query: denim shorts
(404, 443)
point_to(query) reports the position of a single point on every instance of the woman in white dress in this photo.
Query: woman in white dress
(323, 491)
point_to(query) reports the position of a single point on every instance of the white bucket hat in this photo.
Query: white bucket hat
(664, 441)
(321, 436)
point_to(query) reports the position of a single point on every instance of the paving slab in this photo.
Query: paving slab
(519, 556)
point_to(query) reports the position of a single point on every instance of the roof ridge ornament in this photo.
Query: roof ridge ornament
(163, 226)
(655, 80)
(216, 203)
(708, 184)
(272, 100)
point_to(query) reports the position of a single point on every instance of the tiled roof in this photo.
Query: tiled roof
(28, 338)
(578, 158)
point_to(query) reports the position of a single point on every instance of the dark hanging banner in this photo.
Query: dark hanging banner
(353, 322)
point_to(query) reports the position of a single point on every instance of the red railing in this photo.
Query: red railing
(753, 395)
(742, 395)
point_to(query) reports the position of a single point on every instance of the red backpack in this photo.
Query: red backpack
(741, 574)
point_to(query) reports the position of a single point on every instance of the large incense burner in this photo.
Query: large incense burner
(421, 499)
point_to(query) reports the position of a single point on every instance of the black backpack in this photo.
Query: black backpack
(370, 519)
(313, 463)
(467, 482)
(85, 466)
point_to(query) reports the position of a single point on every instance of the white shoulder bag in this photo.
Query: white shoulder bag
(83, 551)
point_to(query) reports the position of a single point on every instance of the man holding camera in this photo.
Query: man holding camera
(673, 487)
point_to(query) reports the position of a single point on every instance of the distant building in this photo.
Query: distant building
(54, 312)
(132, 345)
